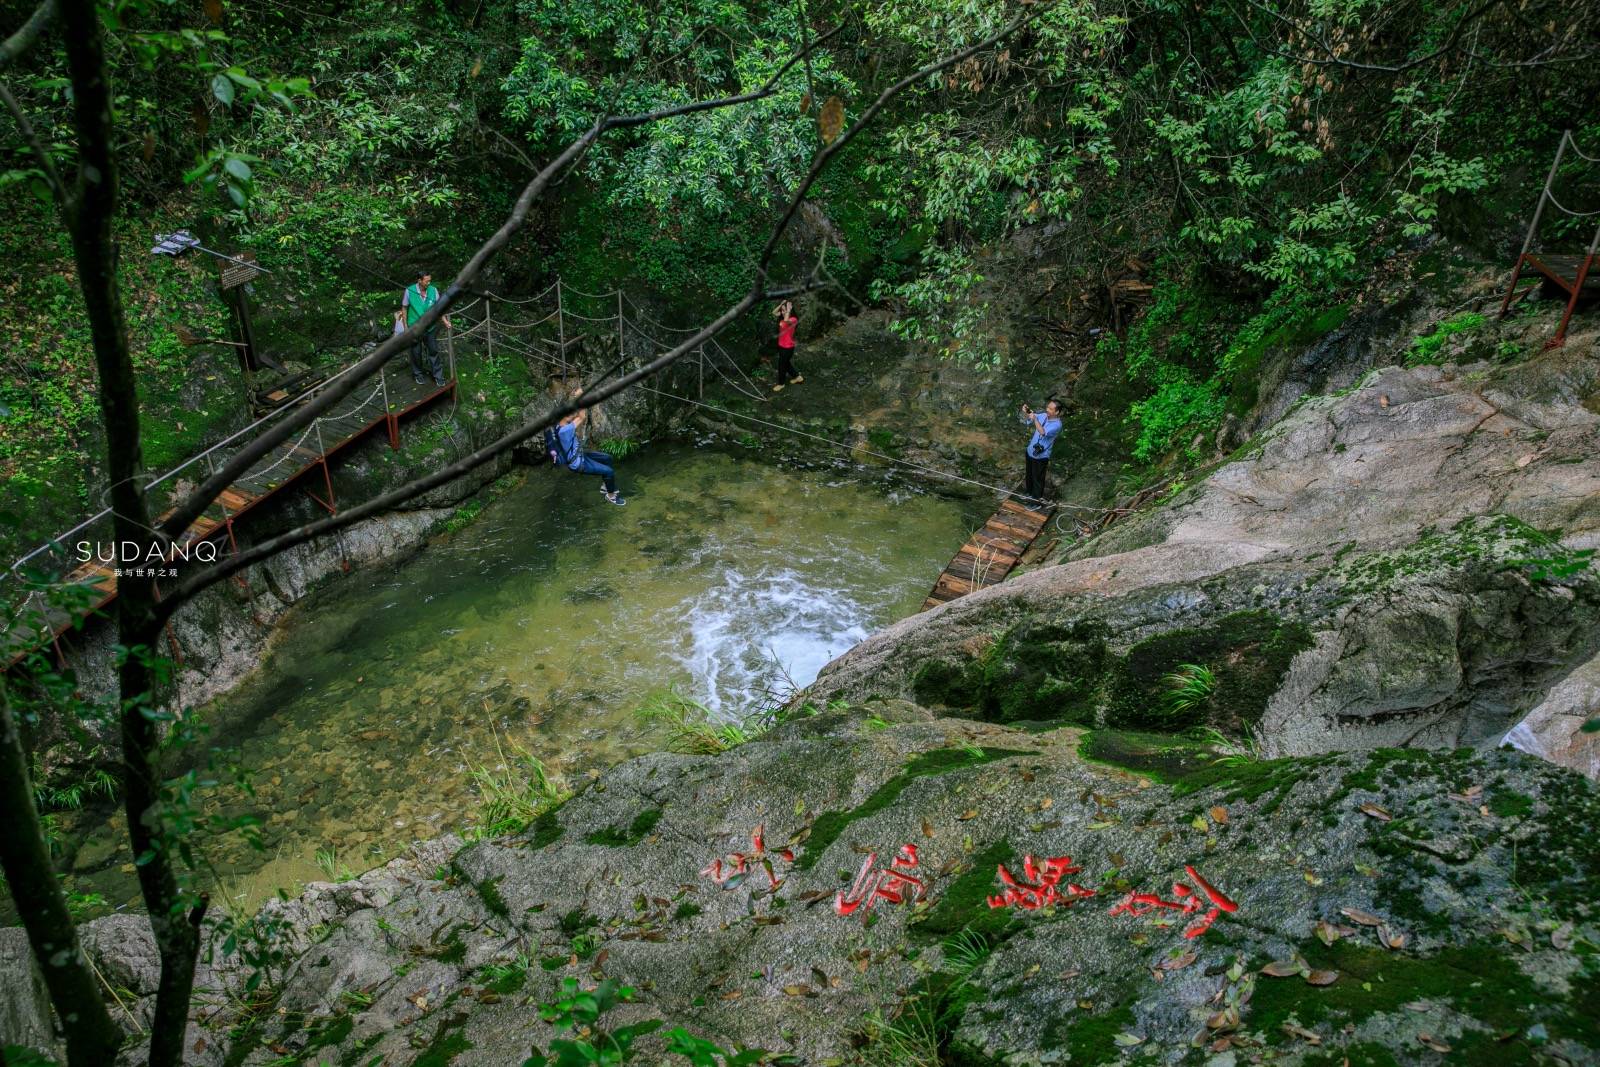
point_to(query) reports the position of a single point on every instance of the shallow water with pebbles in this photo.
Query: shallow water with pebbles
(540, 628)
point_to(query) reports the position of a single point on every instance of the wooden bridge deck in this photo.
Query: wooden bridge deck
(285, 466)
(989, 554)
(1565, 270)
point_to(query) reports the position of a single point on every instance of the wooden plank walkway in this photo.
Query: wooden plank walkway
(989, 554)
(1564, 269)
(275, 472)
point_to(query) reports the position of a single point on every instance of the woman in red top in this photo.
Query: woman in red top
(787, 320)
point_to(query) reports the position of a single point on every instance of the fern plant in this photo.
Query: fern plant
(1189, 688)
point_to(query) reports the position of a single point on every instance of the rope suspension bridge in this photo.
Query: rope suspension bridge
(568, 341)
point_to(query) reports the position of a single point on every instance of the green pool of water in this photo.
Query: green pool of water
(541, 628)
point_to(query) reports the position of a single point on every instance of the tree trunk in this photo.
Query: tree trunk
(92, 212)
(92, 1038)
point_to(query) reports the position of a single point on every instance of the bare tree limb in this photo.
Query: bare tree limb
(188, 588)
(46, 163)
(829, 151)
(229, 472)
(94, 248)
(92, 1038)
(18, 43)
(1333, 59)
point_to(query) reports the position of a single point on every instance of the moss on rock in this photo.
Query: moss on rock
(829, 825)
(1067, 673)
(1248, 652)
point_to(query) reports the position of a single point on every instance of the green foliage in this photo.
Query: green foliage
(593, 1045)
(1427, 349)
(464, 516)
(1189, 688)
(692, 728)
(514, 795)
(620, 447)
(1178, 407)
(332, 869)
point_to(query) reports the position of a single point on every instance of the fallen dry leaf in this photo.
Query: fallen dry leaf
(970, 813)
(1365, 918)
(1219, 814)
(927, 828)
(1226, 1019)
(830, 120)
(1283, 968)
(1389, 938)
(1375, 812)
(1180, 962)
(1326, 932)
(796, 990)
(1433, 1043)
(1310, 1037)
(1322, 977)
(1044, 805)
(733, 994)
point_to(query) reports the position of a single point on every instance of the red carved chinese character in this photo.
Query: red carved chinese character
(739, 863)
(1039, 888)
(1219, 904)
(893, 885)
(1187, 903)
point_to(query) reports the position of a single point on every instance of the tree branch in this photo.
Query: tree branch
(1333, 59)
(92, 1038)
(229, 472)
(188, 588)
(829, 151)
(94, 249)
(14, 46)
(47, 164)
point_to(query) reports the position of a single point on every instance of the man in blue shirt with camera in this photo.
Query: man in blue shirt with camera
(1046, 427)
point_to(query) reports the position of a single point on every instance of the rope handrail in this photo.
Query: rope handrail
(249, 429)
(1550, 195)
(1573, 142)
(863, 449)
(608, 295)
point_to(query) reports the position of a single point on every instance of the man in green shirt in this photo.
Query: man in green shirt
(414, 303)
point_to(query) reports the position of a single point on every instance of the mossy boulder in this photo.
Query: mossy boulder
(1379, 898)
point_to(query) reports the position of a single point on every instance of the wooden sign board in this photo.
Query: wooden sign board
(242, 268)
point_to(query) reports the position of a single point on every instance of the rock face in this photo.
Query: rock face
(1383, 905)
(1296, 575)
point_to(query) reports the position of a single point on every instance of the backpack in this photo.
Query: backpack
(558, 455)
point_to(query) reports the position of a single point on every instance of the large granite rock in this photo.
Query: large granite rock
(1387, 904)
(1404, 563)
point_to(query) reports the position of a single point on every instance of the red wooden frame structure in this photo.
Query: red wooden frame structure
(1571, 273)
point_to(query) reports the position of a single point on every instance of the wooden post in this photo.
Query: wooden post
(327, 476)
(561, 333)
(389, 417)
(450, 354)
(1577, 290)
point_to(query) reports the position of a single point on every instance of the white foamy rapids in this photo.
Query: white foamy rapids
(751, 634)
